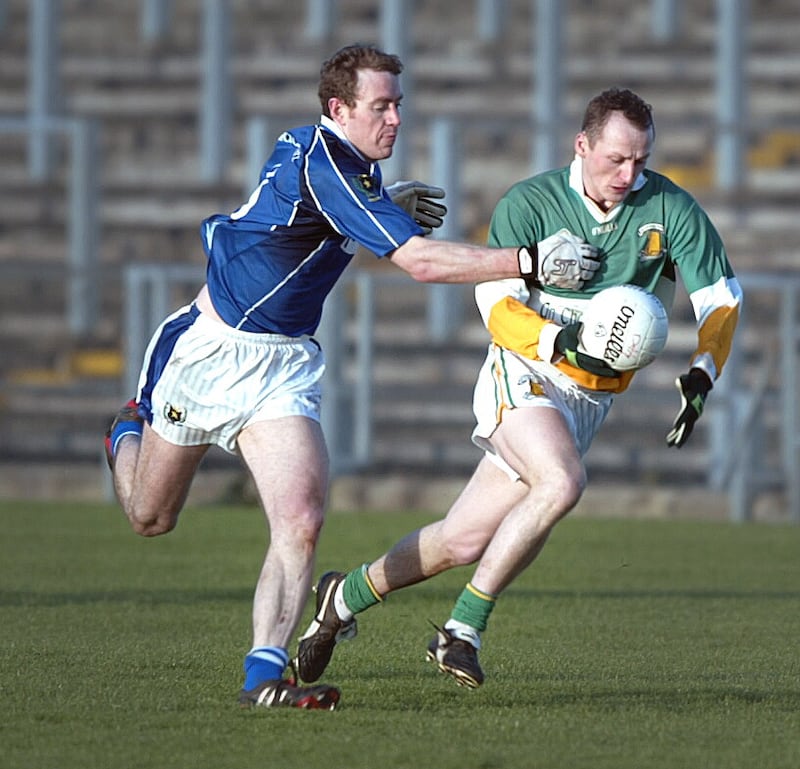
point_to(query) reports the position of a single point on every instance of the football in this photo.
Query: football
(626, 326)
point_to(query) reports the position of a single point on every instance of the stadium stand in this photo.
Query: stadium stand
(58, 388)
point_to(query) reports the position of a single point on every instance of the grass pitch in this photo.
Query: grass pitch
(628, 644)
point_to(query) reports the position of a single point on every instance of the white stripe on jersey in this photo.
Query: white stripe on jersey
(318, 140)
(726, 292)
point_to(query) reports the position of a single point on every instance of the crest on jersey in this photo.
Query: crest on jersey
(655, 245)
(174, 414)
(368, 186)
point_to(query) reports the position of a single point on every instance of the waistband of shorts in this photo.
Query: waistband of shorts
(564, 381)
(216, 328)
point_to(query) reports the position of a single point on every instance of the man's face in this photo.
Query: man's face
(613, 163)
(372, 124)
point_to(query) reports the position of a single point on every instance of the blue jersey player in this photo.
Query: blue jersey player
(239, 367)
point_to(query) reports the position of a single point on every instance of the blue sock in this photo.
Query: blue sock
(265, 663)
(121, 429)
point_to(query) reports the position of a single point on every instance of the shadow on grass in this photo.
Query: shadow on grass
(11, 598)
(699, 594)
(434, 692)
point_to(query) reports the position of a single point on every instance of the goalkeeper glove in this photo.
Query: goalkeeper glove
(567, 342)
(693, 387)
(415, 199)
(562, 260)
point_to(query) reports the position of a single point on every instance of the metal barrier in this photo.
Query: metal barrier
(82, 221)
(741, 413)
(738, 413)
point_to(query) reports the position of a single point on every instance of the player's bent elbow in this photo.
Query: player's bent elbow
(425, 272)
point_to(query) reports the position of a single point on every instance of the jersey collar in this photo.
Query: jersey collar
(331, 125)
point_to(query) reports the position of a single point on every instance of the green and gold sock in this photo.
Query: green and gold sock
(358, 591)
(473, 607)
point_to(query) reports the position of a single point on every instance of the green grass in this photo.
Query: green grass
(628, 644)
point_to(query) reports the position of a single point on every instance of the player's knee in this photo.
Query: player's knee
(562, 488)
(309, 526)
(302, 527)
(151, 523)
(152, 528)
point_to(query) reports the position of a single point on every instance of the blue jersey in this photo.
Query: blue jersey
(272, 262)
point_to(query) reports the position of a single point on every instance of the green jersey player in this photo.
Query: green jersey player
(536, 412)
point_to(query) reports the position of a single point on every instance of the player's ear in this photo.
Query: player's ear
(581, 144)
(337, 109)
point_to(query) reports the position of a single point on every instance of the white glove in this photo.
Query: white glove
(562, 260)
(414, 199)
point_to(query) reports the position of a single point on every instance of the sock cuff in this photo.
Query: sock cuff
(365, 574)
(480, 594)
(273, 654)
(123, 429)
(358, 592)
(473, 607)
(264, 663)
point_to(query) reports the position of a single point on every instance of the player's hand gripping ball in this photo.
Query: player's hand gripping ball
(625, 326)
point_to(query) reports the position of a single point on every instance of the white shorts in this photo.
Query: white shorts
(509, 381)
(203, 382)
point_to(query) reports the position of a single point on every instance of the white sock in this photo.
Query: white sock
(464, 632)
(342, 609)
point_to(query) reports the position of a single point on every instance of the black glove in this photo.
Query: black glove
(415, 198)
(693, 387)
(429, 214)
(567, 343)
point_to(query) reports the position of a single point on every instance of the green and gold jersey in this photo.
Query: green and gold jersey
(658, 229)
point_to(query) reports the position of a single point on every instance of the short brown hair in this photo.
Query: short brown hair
(633, 107)
(338, 76)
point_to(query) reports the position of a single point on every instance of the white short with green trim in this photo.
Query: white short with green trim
(509, 381)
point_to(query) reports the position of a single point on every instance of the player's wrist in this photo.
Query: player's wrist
(527, 259)
(547, 342)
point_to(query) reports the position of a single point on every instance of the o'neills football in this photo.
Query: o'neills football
(626, 326)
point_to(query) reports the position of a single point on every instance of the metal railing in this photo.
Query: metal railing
(82, 221)
(738, 413)
(741, 413)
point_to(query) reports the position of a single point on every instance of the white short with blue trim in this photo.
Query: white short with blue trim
(215, 381)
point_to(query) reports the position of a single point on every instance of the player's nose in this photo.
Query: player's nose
(393, 115)
(626, 173)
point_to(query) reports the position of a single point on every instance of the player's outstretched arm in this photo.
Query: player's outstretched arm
(562, 260)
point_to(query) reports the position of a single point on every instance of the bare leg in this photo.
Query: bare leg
(538, 445)
(458, 539)
(152, 478)
(289, 463)
(502, 522)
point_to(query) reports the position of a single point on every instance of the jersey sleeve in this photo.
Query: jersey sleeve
(713, 289)
(504, 308)
(511, 323)
(349, 193)
(505, 304)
